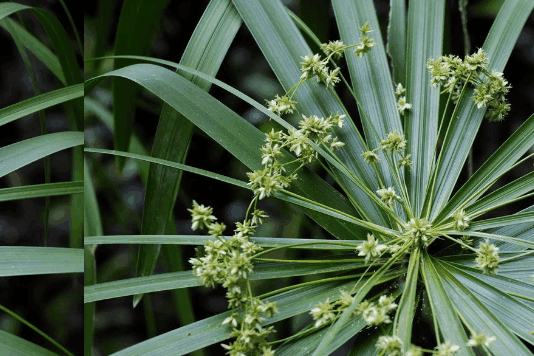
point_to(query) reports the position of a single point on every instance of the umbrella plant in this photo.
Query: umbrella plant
(414, 244)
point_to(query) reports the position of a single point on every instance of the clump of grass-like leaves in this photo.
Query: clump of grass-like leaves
(409, 238)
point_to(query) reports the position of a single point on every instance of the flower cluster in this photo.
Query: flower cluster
(391, 345)
(388, 196)
(453, 73)
(418, 231)
(480, 339)
(373, 313)
(377, 314)
(201, 216)
(492, 94)
(272, 177)
(461, 220)
(250, 336)
(281, 105)
(315, 66)
(366, 42)
(402, 104)
(371, 248)
(229, 263)
(394, 142)
(487, 258)
(446, 349)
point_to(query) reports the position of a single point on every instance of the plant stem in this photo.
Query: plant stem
(34, 328)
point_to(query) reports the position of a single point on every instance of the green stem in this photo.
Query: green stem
(310, 261)
(304, 244)
(295, 336)
(354, 202)
(360, 222)
(324, 280)
(34, 328)
(460, 242)
(364, 188)
(435, 163)
(517, 257)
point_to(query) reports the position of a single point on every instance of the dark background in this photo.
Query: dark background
(52, 302)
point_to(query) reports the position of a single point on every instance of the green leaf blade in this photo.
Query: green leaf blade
(22, 261)
(424, 41)
(205, 51)
(22, 153)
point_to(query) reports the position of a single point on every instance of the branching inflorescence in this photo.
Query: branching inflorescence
(229, 262)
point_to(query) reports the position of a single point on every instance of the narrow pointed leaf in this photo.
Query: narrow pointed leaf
(424, 41)
(502, 221)
(195, 240)
(134, 35)
(405, 312)
(22, 153)
(396, 40)
(39, 50)
(443, 311)
(522, 291)
(479, 318)
(21, 261)
(464, 126)
(13, 345)
(41, 190)
(499, 162)
(39, 102)
(205, 51)
(504, 195)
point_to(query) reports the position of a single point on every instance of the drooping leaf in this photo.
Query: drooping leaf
(205, 51)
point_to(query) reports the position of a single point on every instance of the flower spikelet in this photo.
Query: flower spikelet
(201, 216)
(418, 230)
(281, 105)
(393, 142)
(392, 345)
(388, 196)
(334, 48)
(480, 339)
(323, 313)
(371, 157)
(446, 349)
(403, 105)
(370, 248)
(461, 220)
(487, 258)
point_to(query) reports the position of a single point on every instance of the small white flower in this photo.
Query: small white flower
(461, 220)
(446, 349)
(201, 216)
(232, 320)
(388, 196)
(392, 345)
(399, 90)
(322, 313)
(393, 142)
(403, 105)
(480, 339)
(487, 258)
(370, 248)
